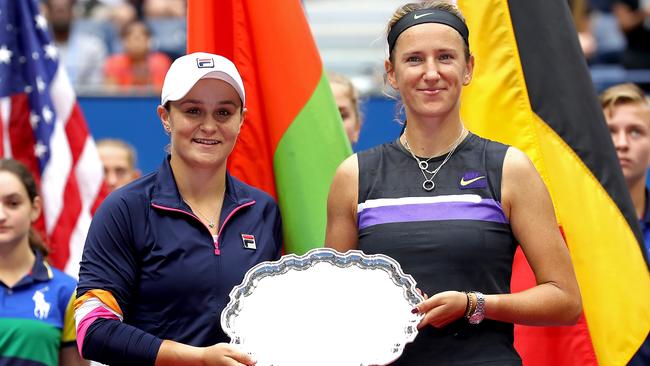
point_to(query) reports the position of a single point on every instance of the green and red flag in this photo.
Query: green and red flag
(292, 139)
(532, 89)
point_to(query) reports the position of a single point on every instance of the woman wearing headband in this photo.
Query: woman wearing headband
(164, 252)
(452, 207)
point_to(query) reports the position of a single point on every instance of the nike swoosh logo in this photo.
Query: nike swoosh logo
(464, 182)
(416, 17)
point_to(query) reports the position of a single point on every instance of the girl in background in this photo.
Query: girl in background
(36, 313)
(347, 100)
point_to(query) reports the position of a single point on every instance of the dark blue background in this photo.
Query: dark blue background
(134, 119)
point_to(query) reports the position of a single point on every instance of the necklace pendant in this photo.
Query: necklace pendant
(211, 225)
(428, 185)
(424, 165)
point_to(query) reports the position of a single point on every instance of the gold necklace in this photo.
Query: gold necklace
(210, 222)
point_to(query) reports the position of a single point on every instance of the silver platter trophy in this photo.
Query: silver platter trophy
(322, 309)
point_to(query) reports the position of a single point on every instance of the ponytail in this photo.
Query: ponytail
(37, 243)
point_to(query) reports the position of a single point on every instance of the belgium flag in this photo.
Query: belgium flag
(531, 89)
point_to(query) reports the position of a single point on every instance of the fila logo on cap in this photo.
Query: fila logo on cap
(205, 63)
(249, 241)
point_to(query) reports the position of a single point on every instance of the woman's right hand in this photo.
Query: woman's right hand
(442, 308)
(224, 354)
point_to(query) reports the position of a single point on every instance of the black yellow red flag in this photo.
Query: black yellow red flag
(532, 89)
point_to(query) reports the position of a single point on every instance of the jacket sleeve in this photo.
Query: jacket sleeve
(277, 232)
(107, 275)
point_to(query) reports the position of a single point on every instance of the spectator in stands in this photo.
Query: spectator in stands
(138, 66)
(581, 18)
(82, 54)
(627, 112)
(164, 8)
(166, 18)
(36, 314)
(601, 5)
(609, 38)
(119, 160)
(122, 15)
(634, 21)
(347, 100)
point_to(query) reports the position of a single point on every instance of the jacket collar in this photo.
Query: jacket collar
(166, 193)
(41, 271)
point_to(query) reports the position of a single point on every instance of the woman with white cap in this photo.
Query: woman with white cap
(163, 252)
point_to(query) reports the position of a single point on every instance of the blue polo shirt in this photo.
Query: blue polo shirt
(645, 225)
(36, 317)
(151, 270)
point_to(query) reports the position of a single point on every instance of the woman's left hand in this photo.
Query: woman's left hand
(442, 308)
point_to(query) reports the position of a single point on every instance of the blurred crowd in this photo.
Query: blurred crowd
(117, 46)
(126, 46)
(615, 38)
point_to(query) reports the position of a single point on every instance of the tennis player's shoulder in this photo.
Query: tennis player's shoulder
(521, 181)
(516, 163)
(348, 170)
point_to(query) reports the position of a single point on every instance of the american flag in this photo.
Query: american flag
(43, 127)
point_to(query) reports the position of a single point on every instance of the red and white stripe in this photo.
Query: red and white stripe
(71, 183)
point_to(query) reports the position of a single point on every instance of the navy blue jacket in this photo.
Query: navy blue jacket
(169, 276)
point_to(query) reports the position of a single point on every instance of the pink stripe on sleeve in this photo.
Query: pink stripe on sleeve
(99, 312)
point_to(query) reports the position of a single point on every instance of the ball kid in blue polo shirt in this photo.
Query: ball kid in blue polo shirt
(36, 313)
(627, 113)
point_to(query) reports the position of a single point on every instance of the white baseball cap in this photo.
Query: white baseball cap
(187, 70)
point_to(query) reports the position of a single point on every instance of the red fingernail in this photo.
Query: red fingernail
(414, 310)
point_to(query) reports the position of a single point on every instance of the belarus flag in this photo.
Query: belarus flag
(292, 139)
